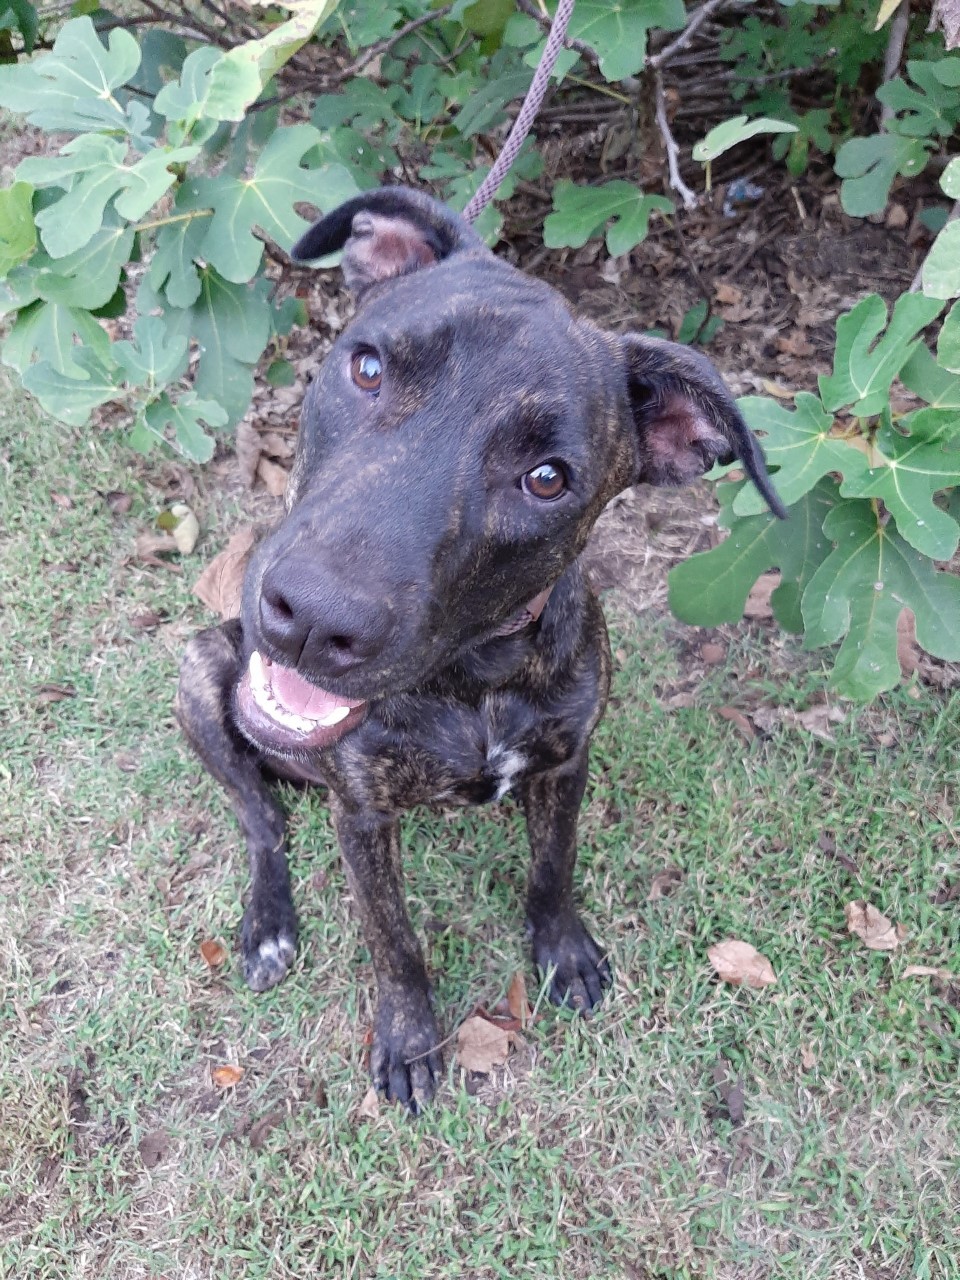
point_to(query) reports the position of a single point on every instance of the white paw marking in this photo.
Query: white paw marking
(277, 949)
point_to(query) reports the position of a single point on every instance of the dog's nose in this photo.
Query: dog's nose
(313, 617)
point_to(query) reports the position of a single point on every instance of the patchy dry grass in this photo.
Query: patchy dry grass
(605, 1149)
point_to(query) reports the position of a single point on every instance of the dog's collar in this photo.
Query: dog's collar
(530, 612)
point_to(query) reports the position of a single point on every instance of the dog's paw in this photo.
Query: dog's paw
(581, 973)
(269, 943)
(405, 1058)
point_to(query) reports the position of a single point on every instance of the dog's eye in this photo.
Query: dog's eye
(546, 482)
(366, 371)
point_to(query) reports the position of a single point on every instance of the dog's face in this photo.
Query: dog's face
(455, 449)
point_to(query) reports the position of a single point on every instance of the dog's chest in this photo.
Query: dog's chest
(443, 752)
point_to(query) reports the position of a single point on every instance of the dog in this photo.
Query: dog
(417, 628)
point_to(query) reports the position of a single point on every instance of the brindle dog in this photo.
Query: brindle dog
(417, 628)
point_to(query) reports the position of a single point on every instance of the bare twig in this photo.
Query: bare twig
(670, 144)
(696, 20)
(894, 55)
(384, 46)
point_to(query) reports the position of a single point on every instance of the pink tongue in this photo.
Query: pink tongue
(301, 697)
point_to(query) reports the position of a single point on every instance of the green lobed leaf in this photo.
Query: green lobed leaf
(71, 87)
(264, 200)
(173, 266)
(183, 102)
(731, 132)
(72, 399)
(909, 470)
(231, 325)
(578, 212)
(948, 343)
(859, 592)
(712, 587)
(89, 277)
(932, 108)
(930, 381)
(92, 168)
(178, 423)
(868, 167)
(864, 369)
(155, 357)
(950, 179)
(486, 106)
(941, 270)
(49, 332)
(18, 236)
(618, 32)
(800, 444)
(238, 78)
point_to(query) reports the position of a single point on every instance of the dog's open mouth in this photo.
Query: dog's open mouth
(281, 711)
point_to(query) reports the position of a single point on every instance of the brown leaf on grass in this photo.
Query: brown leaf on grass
(817, 720)
(517, 1001)
(214, 954)
(273, 476)
(146, 621)
(740, 963)
(47, 693)
(277, 445)
(153, 1147)
(727, 295)
(369, 1107)
(118, 501)
(482, 1045)
(61, 500)
(758, 601)
(150, 545)
(808, 1059)
(260, 1129)
(927, 971)
(248, 451)
(908, 652)
(664, 883)
(795, 344)
(221, 584)
(226, 1077)
(876, 932)
(729, 1091)
(712, 653)
(736, 717)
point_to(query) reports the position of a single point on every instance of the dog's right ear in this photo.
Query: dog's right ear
(385, 233)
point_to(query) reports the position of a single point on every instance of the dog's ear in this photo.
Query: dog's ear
(686, 419)
(388, 232)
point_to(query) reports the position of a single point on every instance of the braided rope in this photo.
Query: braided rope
(528, 112)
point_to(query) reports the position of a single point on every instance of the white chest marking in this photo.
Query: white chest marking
(507, 764)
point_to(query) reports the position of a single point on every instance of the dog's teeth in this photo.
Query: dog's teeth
(263, 696)
(334, 717)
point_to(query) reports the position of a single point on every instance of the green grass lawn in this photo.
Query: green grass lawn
(608, 1148)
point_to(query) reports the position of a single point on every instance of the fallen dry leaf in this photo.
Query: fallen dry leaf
(808, 1059)
(712, 653)
(817, 720)
(795, 344)
(927, 971)
(369, 1107)
(220, 586)
(153, 1147)
(758, 601)
(61, 500)
(276, 445)
(482, 1045)
(146, 621)
(118, 501)
(738, 962)
(54, 692)
(248, 451)
(226, 1077)
(729, 1091)
(186, 530)
(875, 931)
(777, 389)
(150, 545)
(273, 476)
(664, 883)
(213, 953)
(262, 1127)
(908, 652)
(728, 295)
(517, 1001)
(736, 717)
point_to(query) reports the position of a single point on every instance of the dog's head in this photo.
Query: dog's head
(455, 449)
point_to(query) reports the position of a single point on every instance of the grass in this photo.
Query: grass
(605, 1149)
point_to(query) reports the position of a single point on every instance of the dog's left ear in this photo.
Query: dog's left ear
(686, 419)
(388, 232)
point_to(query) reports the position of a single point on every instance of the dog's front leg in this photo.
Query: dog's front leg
(208, 674)
(405, 1059)
(551, 804)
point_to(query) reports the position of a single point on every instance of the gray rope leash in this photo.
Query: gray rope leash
(528, 112)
